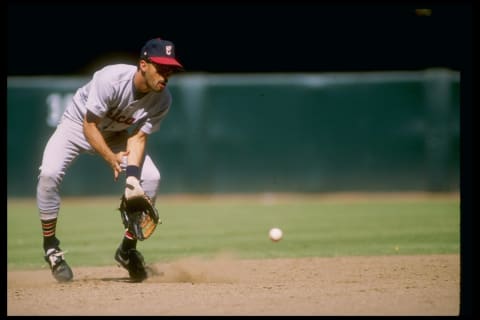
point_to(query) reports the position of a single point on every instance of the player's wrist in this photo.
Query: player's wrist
(133, 171)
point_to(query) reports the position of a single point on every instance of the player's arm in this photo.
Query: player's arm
(138, 212)
(136, 145)
(96, 140)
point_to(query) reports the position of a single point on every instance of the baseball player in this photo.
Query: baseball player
(112, 116)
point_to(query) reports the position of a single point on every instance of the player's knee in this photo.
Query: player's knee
(48, 181)
(156, 175)
(152, 176)
(48, 198)
(150, 183)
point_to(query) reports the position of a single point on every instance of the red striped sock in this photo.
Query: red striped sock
(48, 229)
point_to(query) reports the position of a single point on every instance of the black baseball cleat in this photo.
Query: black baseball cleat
(133, 261)
(60, 269)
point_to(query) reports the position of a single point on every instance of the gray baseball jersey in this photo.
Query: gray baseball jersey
(111, 96)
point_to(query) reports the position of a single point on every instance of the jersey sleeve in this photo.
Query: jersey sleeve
(101, 94)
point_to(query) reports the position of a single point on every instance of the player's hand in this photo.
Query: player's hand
(116, 163)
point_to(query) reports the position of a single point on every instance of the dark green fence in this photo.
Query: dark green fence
(376, 131)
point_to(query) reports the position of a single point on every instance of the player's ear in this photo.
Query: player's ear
(142, 64)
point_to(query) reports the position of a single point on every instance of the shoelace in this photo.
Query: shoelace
(56, 257)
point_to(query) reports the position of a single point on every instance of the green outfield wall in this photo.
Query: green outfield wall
(319, 132)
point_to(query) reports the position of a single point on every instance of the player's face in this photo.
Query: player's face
(157, 76)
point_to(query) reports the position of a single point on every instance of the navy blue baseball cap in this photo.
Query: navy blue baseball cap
(161, 52)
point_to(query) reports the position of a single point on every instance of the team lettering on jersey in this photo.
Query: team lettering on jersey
(117, 116)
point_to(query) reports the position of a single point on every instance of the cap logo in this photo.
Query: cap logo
(168, 50)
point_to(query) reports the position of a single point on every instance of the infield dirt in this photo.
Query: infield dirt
(374, 285)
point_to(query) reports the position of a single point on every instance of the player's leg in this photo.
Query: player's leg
(127, 254)
(58, 154)
(150, 178)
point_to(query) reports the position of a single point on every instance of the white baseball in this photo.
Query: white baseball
(275, 234)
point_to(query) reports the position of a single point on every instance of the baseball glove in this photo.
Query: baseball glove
(139, 216)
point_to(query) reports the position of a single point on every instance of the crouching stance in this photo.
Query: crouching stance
(112, 116)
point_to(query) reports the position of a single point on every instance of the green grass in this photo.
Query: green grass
(91, 231)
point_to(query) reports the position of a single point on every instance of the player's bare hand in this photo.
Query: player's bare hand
(116, 164)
